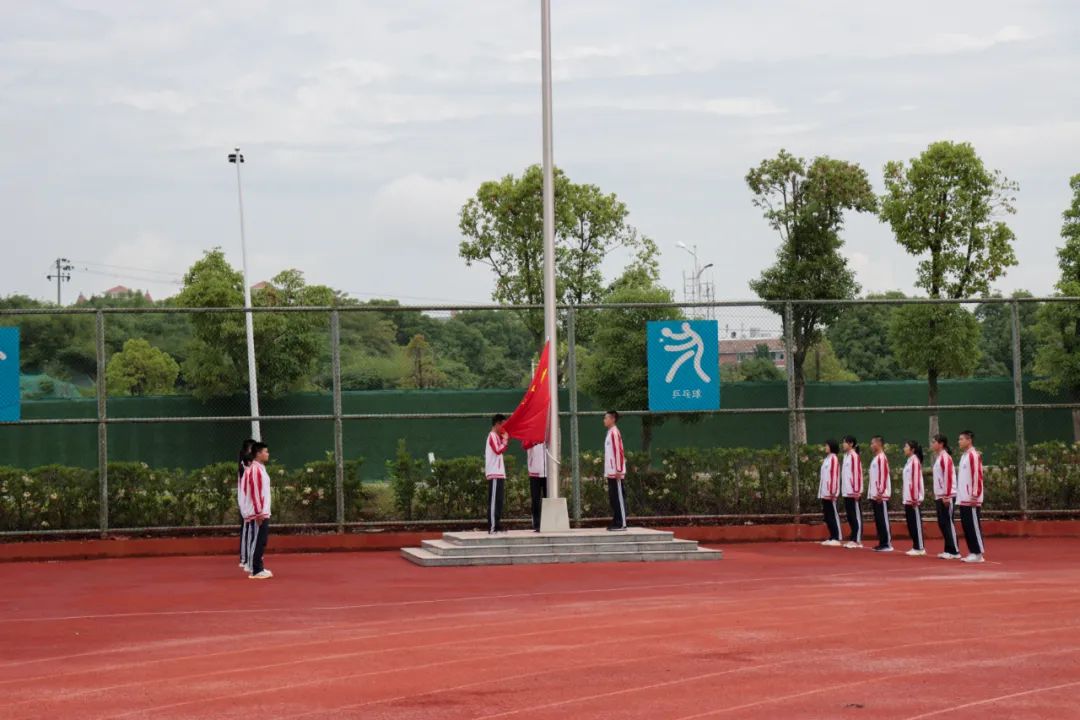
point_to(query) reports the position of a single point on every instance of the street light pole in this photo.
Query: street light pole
(237, 159)
(695, 283)
(554, 516)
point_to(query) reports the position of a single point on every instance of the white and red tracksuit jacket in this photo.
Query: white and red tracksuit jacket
(880, 482)
(614, 456)
(969, 480)
(536, 457)
(494, 465)
(255, 492)
(851, 475)
(944, 477)
(240, 471)
(914, 488)
(829, 486)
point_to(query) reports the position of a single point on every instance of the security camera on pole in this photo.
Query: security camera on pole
(237, 159)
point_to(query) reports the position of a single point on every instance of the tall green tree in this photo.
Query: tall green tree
(615, 370)
(287, 345)
(1057, 359)
(759, 368)
(860, 338)
(952, 346)
(945, 207)
(141, 369)
(995, 337)
(806, 204)
(502, 227)
(822, 365)
(422, 370)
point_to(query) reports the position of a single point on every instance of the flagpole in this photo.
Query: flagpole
(554, 516)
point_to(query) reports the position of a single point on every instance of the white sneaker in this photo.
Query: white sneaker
(247, 569)
(852, 545)
(915, 553)
(973, 558)
(948, 556)
(830, 543)
(264, 575)
(887, 548)
(243, 565)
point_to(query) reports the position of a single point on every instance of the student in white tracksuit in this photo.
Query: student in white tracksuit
(536, 457)
(879, 489)
(257, 507)
(945, 495)
(615, 470)
(851, 486)
(969, 496)
(914, 493)
(247, 529)
(495, 471)
(829, 491)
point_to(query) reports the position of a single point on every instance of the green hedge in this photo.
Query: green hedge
(687, 481)
(56, 497)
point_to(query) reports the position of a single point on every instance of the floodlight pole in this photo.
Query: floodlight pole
(237, 159)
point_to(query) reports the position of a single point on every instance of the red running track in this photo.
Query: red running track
(779, 631)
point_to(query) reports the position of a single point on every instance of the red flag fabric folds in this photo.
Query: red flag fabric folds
(529, 421)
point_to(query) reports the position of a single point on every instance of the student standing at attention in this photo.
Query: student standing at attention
(880, 490)
(945, 495)
(247, 535)
(914, 492)
(851, 482)
(829, 491)
(536, 456)
(969, 496)
(495, 470)
(615, 470)
(257, 486)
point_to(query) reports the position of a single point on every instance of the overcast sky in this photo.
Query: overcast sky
(366, 125)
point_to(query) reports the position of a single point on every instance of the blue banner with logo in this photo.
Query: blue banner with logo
(9, 375)
(684, 365)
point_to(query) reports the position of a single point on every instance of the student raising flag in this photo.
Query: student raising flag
(528, 423)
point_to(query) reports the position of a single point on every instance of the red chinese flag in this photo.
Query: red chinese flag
(528, 423)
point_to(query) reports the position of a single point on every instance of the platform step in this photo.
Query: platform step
(528, 537)
(522, 547)
(427, 558)
(447, 548)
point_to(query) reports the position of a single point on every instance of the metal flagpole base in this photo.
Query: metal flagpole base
(553, 515)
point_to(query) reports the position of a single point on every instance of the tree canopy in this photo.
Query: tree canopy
(806, 204)
(945, 207)
(502, 227)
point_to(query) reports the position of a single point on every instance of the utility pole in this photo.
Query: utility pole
(62, 274)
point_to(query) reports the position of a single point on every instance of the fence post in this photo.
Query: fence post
(793, 450)
(575, 440)
(102, 432)
(339, 441)
(1018, 398)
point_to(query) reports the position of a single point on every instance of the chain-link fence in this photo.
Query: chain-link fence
(376, 415)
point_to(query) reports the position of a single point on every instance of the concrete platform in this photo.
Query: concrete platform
(520, 547)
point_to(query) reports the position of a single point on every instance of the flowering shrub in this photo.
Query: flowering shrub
(56, 497)
(686, 481)
(456, 489)
(48, 498)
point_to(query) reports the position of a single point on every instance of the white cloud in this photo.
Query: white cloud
(158, 101)
(366, 125)
(946, 43)
(724, 106)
